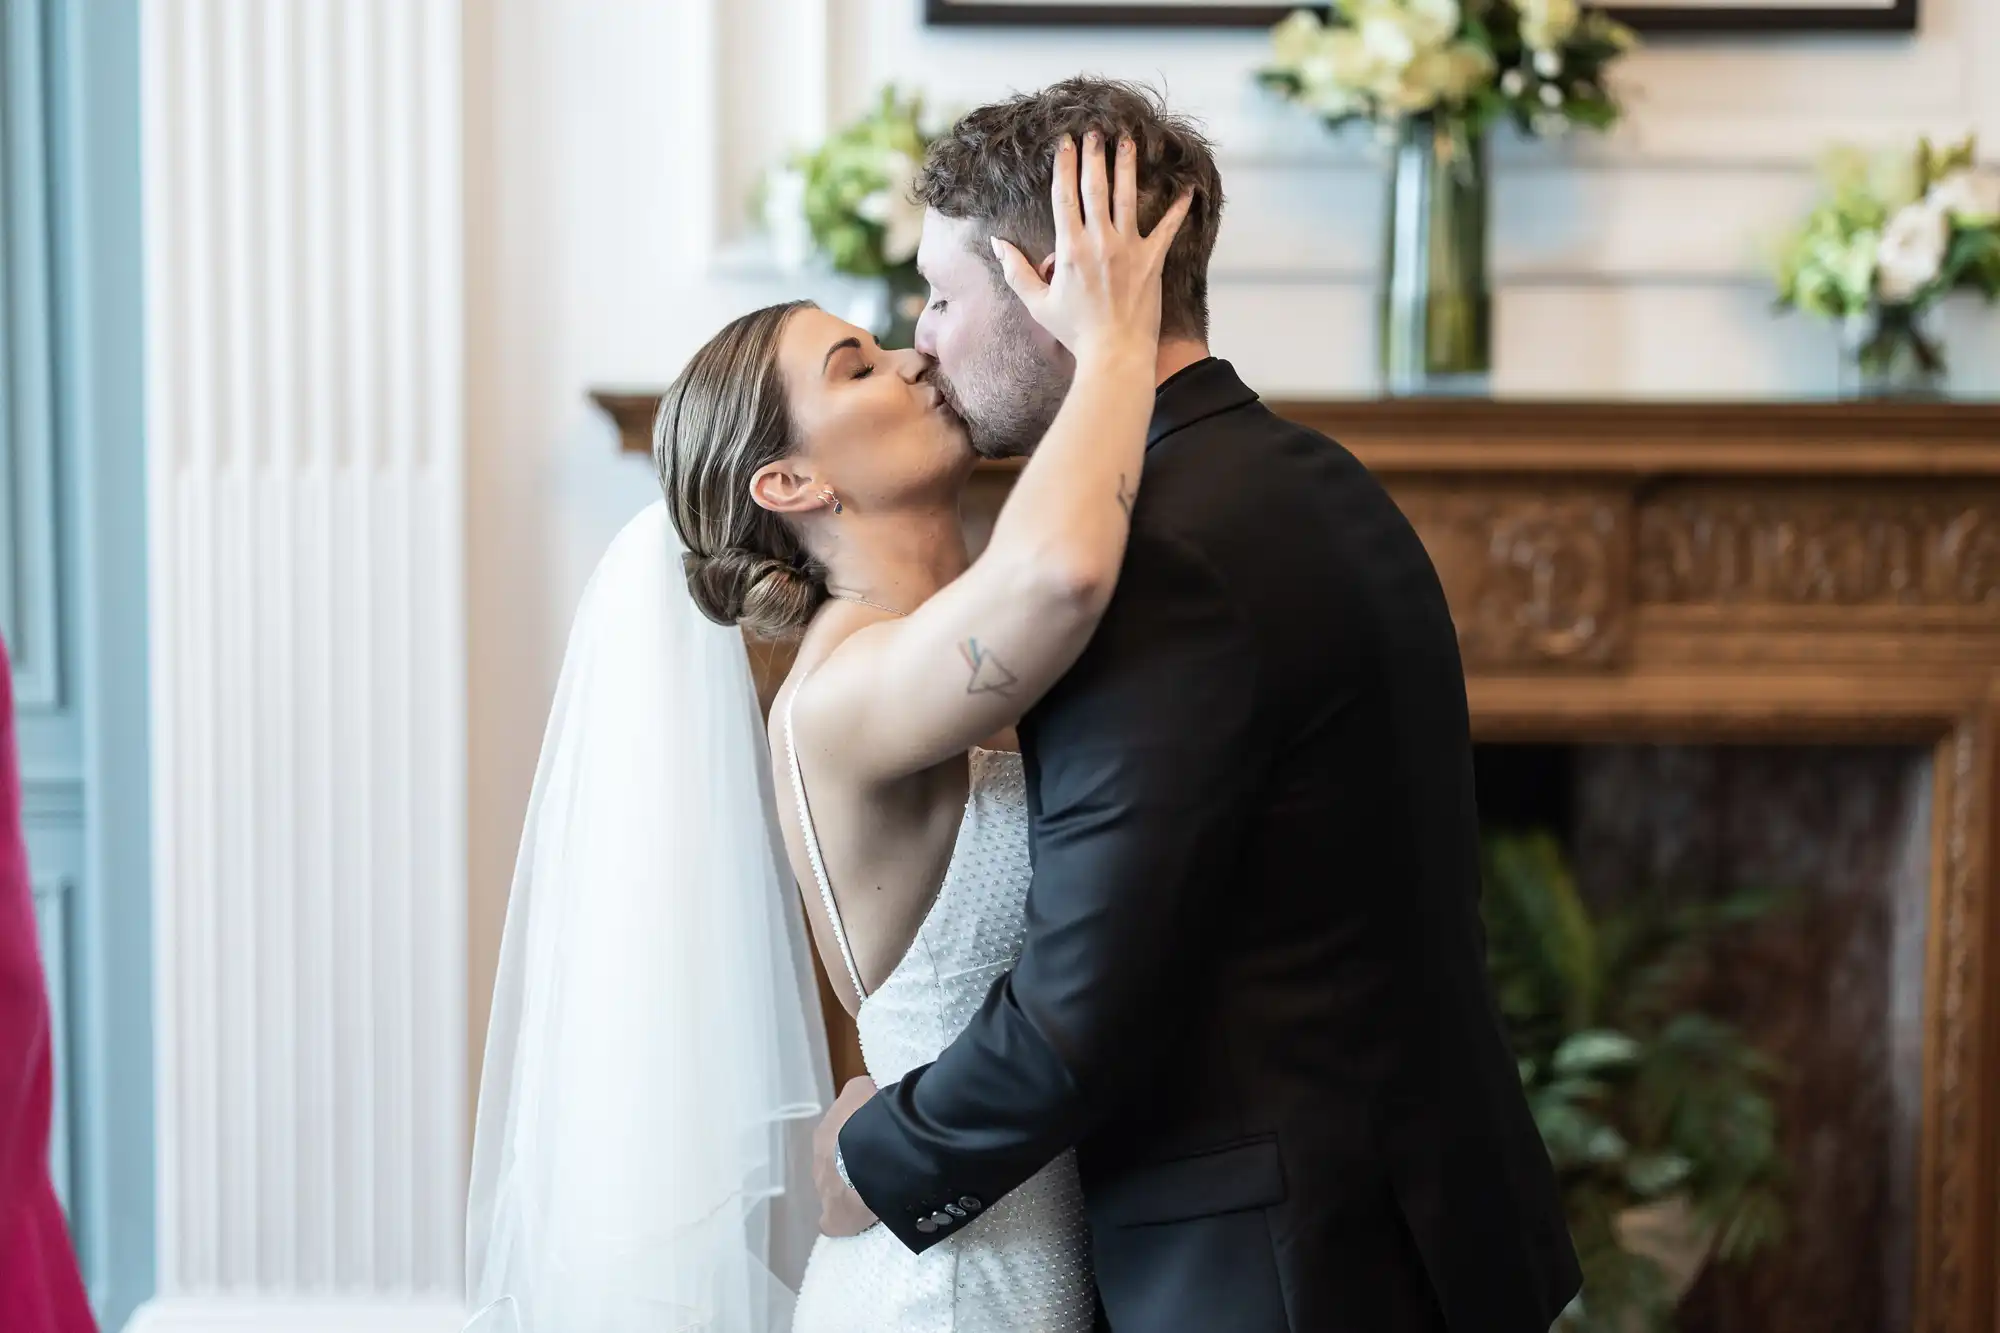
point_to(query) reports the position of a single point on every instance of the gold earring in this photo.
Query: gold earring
(826, 496)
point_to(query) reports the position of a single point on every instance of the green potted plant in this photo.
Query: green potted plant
(1657, 1115)
(1433, 77)
(848, 200)
(1892, 234)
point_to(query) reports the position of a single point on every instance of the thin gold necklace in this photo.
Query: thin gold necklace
(865, 601)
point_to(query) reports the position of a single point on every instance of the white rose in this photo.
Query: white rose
(1387, 39)
(1296, 40)
(1333, 76)
(1911, 252)
(1433, 22)
(1513, 83)
(1425, 83)
(1468, 67)
(1548, 64)
(904, 231)
(1332, 101)
(1447, 74)
(1971, 198)
(1547, 24)
(900, 217)
(1324, 90)
(1347, 60)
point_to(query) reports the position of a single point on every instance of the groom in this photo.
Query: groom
(1253, 995)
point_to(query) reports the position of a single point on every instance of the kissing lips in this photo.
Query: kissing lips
(943, 400)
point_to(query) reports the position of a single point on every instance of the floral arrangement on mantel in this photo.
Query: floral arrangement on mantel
(1892, 235)
(1433, 77)
(1539, 63)
(848, 201)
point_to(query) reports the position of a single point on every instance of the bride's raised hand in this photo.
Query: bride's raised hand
(1103, 289)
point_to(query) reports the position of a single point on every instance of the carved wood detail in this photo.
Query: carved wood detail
(1960, 1134)
(1725, 572)
(1536, 578)
(1854, 545)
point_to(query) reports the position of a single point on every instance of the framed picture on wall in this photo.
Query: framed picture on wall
(1660, 16)
(1772, 16)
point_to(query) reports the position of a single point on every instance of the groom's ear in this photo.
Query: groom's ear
(1047, 268)
(780, 488)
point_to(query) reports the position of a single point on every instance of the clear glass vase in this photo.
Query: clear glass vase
(1892, 352)
(1436, 317)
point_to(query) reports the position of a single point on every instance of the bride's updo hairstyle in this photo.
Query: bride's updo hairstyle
(722, 420)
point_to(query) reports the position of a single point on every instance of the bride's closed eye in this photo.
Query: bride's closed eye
(862, 372)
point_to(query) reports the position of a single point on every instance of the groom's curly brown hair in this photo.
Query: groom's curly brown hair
(994, 165)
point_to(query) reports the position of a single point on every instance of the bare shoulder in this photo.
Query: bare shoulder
(830, 666)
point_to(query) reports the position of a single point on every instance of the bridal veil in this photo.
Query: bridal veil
(655, 1060)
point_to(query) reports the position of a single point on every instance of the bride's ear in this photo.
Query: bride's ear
(782, 489)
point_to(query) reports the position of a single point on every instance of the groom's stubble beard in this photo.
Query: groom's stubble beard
(1010, 398)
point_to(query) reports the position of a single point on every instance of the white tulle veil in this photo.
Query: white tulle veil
(655, 1061)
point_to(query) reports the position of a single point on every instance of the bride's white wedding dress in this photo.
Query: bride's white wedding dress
(1021, 1263)
(653, 930)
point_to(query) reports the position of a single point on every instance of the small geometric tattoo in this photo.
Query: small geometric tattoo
(1128, 495)
(989, 674)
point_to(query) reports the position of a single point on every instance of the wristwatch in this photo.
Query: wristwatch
(840, 1166)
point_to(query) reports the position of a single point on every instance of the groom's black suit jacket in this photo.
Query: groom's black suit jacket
(1253, 994)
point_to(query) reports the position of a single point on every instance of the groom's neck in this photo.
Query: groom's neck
(1176, 355)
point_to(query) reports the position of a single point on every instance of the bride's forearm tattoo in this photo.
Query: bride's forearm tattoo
(1128, 494)
(988, 674)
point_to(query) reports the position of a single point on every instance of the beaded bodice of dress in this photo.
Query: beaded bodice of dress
(1023, 1265)
(969, 938)
(971, 933)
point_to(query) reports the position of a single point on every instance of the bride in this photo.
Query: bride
(653, 1067)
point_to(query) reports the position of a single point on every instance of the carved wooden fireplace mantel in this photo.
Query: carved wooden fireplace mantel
(1775, 572)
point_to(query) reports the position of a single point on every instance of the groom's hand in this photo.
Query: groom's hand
(841, 1211)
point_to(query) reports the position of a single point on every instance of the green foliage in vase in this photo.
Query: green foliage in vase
(1639, 1095)
(855, 188)
(1469, 64)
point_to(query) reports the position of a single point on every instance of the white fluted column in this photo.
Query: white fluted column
(303, 236)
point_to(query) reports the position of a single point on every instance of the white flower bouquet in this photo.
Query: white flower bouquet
(1433, 76)
(1892, 234)
(1541, 63)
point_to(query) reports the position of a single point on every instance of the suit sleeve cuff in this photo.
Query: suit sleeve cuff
(919, 1218)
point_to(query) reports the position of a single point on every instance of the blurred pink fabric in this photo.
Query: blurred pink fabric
(41, 1290)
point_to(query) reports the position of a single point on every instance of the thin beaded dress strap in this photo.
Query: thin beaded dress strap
(811, 840)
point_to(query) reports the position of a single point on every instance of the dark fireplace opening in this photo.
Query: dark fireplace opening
(1831, 986)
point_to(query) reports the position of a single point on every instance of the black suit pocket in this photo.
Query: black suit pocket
(1232, 1178)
